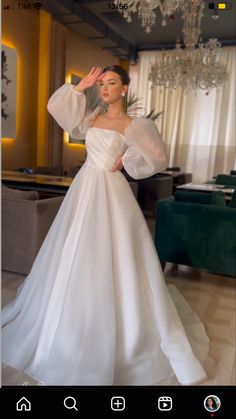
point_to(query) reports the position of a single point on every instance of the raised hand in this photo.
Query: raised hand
(94, 76)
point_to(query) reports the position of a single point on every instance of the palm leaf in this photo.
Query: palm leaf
(134, 108)
(152, 115)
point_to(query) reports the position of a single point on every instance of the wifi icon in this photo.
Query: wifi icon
(37, 5)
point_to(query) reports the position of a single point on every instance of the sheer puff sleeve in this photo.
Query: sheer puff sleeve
(74, 111)
(145, 155)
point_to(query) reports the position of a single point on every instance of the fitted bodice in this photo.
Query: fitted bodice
(104, 146)
(141, 145)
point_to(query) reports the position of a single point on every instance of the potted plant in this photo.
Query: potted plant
(134, 107)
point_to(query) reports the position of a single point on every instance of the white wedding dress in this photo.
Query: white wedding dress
(95, 310)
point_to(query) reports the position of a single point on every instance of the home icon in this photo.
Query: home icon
(23, 405)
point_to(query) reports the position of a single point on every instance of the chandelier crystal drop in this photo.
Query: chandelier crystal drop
(145, 10)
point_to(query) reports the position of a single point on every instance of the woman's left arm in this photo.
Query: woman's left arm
(146, 154)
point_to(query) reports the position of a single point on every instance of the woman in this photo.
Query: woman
(211, 404)
(95, 309)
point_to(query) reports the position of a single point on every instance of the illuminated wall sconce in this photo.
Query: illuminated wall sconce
(9, 91)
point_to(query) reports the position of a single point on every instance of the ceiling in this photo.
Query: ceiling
(98, 22)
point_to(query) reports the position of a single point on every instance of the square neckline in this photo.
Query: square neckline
(113, 130)
(107, 129)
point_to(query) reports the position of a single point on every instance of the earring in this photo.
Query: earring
(123, 94)
(105, 107)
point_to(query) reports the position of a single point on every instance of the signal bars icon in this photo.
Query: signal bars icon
(23, 6)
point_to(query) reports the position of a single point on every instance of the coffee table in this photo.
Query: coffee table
(44, 183)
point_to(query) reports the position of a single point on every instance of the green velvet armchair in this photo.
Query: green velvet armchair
(197, 229)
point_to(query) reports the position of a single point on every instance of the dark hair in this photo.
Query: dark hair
(118, 70)
(214, 404)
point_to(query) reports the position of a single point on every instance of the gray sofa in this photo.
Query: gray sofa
(26, 219)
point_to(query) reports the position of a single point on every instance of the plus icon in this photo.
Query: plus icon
(118, 403)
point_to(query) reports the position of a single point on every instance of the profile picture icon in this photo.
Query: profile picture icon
(212, 403)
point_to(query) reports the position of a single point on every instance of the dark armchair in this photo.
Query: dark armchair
(197, 229)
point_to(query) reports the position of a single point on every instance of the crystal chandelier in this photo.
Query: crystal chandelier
(145, 9)
(195, 66)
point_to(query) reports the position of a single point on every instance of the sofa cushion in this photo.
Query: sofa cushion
(18, 194)
(227, 180)
(208, 198)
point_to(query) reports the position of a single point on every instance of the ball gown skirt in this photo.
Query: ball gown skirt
(95, 309)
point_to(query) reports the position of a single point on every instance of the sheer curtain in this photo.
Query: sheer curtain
(198, 128)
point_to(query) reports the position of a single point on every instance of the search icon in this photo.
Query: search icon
(70, 403)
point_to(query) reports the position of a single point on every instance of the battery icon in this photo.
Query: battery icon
(223, 6)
